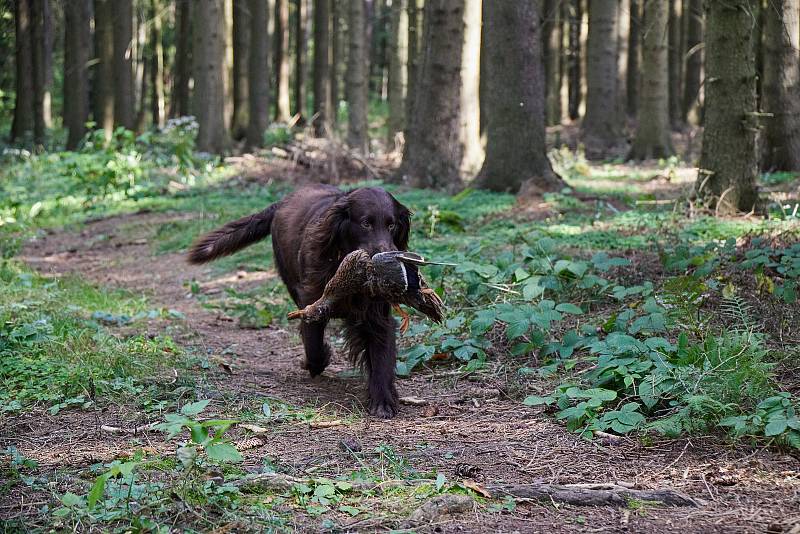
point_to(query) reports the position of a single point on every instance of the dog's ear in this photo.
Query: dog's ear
(402, 216)
(333, 228)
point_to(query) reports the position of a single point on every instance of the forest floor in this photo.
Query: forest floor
(456, 424)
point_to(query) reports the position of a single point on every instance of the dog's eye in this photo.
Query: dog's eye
(366, 225)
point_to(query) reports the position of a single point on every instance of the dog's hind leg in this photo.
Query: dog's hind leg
(318, 353)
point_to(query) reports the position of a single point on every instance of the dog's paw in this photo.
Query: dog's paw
(383, 409)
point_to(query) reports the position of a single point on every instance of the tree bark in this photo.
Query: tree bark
(103, 75)
(183, 58)
(357, 81)
(551, 40)
(470, 90)
(141, 70)
(415, 16)
(434, 150)
(258, 74)
(322, 65)
(694, 61)
(38, 60)
(398, 71)
(124, 109)
(338, 12)
(574, 59)
(77, 44)
(209, 66)
(781, 86)
(632, 74)
(653, 133)
(516, 155)
(729, 160)
(283, 109)
(675, 84)
(22, 125)
(602, 127)
(623, 41)
(157, 67)
(47, 63)
(300, 58)
(241, 65)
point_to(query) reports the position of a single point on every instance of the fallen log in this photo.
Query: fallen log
(591, 494)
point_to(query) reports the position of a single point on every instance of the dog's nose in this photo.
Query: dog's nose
(383, 247)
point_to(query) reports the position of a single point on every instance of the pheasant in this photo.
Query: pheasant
(392, 276)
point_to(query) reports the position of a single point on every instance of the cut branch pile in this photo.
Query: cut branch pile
(333, 159)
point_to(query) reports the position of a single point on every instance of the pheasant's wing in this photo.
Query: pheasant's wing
(350, 277)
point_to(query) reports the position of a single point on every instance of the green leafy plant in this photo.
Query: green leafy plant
(208, 435)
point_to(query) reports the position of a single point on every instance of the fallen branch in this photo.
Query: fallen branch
(119, 430)
(437, 507)
(591, 494)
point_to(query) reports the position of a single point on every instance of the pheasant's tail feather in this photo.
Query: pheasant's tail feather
(431, 305)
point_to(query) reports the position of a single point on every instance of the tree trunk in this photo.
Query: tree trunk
(241, 62)
(337, 46)
(157, 67)
(357, 81)
(551, 40)
(623, 41)
(729, 159)
(574, 59)
(675, 84)
(283, 109)
(470, 90)
(209, 67)
(258, 73)
(516, 154)
(398, 81)
(415, 16)
(183, 58)
(434, 150)
(653, 134)
(632, 78)
(38, 65)
(77, 44)
(124, 108)
(141, 68)
(322, 65)
(300, 57)
(23, 104)
(602, 127)
(48, 32)
(694, 61)
(781, 86)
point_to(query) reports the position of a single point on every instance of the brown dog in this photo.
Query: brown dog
(312, 230)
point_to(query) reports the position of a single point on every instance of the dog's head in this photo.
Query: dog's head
(367, 218)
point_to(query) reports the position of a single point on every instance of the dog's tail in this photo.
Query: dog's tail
(233, 237)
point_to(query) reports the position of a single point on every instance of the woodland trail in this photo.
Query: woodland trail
(469, 425)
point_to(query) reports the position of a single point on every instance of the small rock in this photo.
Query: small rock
(350, 444)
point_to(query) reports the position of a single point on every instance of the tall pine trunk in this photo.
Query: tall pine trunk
(209, 66)
(357, 81)
(183, 58)
(676, 52)
(415, 32)
(23, 104)
(574, 18)
(283, 109)
(241, 64)
(157, 110)
(632, 74)
(781, 86)
(48, 31)
(338, 12)
(301, 9)
(103, 72)
(551, 40)
(434, 150)
(77, 45)
(398, 71)
(602, 125)
(653, 133)
(38, 65)
(694, 61)
(623, 51)
(124, 107)
(258, 74)
(322, 65)
(729, 159)
(516, 156)
(470, 111)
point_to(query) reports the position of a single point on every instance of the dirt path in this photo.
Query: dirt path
(468, 426)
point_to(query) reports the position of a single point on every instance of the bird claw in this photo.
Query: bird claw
(405, 318)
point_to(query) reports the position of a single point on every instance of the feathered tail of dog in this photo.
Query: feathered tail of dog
(233, 237)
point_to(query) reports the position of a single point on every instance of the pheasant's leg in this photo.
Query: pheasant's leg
(318, 353)
(404, 318)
